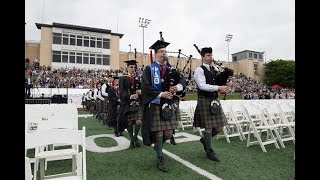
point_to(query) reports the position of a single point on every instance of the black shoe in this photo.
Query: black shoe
(161, 165)
(116, 134)
(172, 141)
(137, 143)
(204, 144)
(212, 156)
(132, 145)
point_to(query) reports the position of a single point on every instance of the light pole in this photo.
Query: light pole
(228, 39)
(143, 22)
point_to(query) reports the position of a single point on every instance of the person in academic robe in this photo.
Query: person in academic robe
(114, 105)
(159, 119)
(130, 104)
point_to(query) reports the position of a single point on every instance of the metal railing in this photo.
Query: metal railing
(37, 101)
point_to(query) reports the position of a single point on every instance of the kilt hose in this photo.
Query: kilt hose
(204, 119)
(92, 106)
(98, 107)
(158, 124)
(87, 105)
(135, 116)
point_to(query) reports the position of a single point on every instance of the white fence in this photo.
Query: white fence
(74, 95)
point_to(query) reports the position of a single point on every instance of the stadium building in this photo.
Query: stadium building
(65, 45)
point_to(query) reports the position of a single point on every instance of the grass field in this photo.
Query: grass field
(237, 160)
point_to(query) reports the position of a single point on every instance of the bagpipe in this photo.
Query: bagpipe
(223, 73)
(134, 105)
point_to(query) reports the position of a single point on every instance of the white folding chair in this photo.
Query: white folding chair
(59, 136)
(257, 125)
(232, 129)
(27, 171)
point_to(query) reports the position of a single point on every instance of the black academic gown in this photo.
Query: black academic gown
(112, 107)
(124, 85)
(148, 93)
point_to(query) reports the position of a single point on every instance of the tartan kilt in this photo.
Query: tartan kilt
(136, 115)
(157, 124)
(98, 105)
(204, 119)
(104, 106)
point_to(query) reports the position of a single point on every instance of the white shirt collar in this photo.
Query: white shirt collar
(206, 65)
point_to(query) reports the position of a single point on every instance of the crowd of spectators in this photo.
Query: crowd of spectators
(47, 77)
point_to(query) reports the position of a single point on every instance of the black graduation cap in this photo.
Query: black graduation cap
(158, 45)
(116, 77)
(205, 50)
(131, 62)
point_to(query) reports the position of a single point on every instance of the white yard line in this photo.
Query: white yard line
(188, 164)
(85, 115)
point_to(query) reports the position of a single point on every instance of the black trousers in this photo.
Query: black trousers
(27, 91)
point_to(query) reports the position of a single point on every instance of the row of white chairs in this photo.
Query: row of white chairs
(246, 118)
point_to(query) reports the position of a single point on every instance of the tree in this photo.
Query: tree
(280, 72)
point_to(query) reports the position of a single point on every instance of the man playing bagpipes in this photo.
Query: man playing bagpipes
(113, 106)
(159, 119)
(104, 92)
(130, 114)
(208, 113)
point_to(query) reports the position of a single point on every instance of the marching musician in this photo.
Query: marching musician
(88, 100)
(158, 126)
(104, 92)
(113, 106)
(130, 115)
(99, 100)
(208, 113)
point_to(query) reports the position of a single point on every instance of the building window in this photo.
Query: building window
(72, 57)
(92, 59)
(250, 55)
(56, 56)
(255, 56)
(106, 43)
(99, 59)
(260, 56)
(65, 39)
(79, 58)
(57, 38)
(73, 40)
(99, 42)
(86, 41)
(234, 58)
(65, 57)
(79, 40)
(106, 60)
(92, 42)
(85, 58)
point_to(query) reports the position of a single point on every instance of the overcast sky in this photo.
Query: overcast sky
(258, 25)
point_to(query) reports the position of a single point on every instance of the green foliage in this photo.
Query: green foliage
(280, 72)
